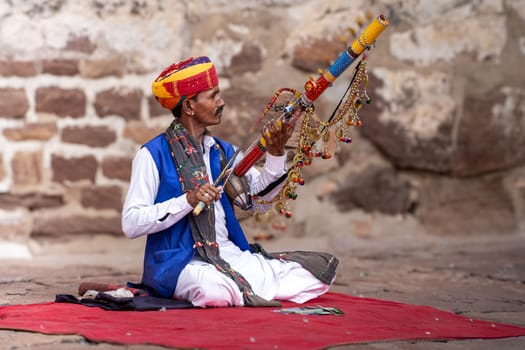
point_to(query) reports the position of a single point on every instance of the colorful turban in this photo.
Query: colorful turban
(184, 80)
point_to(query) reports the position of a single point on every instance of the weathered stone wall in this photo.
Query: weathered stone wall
(442, 149)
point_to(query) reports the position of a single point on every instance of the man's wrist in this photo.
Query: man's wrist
(276, 154)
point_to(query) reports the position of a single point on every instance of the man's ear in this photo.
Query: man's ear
(186, 107)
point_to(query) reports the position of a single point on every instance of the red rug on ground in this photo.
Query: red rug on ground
(364, 320)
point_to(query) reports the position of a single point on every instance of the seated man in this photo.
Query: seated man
(206, 258)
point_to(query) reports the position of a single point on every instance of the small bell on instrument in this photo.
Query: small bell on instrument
(238, 191)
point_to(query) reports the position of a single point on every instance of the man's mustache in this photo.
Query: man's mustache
(219, 110)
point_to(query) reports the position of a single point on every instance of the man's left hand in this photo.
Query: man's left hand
(276, 135)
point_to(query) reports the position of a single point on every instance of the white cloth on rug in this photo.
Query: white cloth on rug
(271, 279)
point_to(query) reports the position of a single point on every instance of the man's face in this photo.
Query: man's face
(208, 106)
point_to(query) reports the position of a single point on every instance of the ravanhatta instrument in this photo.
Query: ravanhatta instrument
(315, 134)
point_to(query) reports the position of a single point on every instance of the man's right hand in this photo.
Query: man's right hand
(206, 193)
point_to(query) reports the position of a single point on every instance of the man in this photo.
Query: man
(205, 258)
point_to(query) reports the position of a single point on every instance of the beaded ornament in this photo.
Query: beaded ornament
(315, 136)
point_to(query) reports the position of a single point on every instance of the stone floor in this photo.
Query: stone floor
(481, 277)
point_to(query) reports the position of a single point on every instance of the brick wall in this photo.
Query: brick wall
(443, 141)
(67, 143)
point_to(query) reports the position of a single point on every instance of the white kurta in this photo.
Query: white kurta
(200, 282)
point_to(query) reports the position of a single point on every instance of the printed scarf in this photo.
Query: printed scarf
(188, 158)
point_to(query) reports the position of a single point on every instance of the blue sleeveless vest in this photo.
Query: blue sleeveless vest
(168, 252)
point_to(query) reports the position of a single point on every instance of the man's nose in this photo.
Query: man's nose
(220, 102)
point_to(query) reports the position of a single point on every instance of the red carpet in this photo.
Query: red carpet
(254, 328)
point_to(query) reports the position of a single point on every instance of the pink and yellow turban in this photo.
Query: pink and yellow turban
(184, 80)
